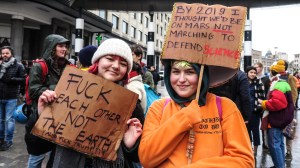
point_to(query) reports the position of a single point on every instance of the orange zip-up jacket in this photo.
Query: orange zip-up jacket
(166, 131)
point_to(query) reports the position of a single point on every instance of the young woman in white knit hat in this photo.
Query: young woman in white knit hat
(112, 61)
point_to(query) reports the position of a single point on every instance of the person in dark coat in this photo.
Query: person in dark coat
(236, 89)
(243, 96)
(257, 92)
(12, 75)
(156, 77)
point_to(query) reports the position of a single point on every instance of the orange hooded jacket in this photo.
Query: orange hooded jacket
(166, 131)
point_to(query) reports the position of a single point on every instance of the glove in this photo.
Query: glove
(193, 112)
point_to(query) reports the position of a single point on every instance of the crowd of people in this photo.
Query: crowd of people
(185, 130)
(264, 95)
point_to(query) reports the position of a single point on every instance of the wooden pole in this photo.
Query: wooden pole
(199, 82)
(192, 133)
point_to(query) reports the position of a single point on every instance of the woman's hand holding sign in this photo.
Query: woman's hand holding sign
(47, 96)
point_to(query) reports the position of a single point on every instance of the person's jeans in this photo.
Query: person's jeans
(276, 147)
(7, 121)
(35, 161)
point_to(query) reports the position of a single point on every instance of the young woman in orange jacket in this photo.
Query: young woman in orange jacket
(219, 137)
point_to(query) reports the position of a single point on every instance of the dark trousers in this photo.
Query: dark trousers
(253, 129)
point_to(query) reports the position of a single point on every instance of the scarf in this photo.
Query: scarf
(5, 65)
(278, 77)
(133, 74)
(258, 92)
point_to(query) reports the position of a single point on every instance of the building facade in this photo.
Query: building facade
(281, 55)
(25, 24)
(297, 61)
(266, 60)
(133, 27)
(257, 56)
(267, 63)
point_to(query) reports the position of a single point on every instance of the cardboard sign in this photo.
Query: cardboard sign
(89, 114)
(204, 34)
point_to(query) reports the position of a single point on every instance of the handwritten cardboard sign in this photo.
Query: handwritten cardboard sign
(89, 114)
(204, 34)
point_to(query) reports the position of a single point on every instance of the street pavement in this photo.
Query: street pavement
(16, 156)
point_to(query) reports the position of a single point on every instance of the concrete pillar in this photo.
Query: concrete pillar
(248, 43)
(150, 43)
(17, 34)
(45, 30)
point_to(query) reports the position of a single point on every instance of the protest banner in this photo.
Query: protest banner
(205, 34)
(89, 114)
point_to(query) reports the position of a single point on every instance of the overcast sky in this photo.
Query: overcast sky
(276, 27)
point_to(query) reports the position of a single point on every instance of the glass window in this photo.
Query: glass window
(133, 31)
(161, 17)
(125, 27)
(115, 21)
(156, 43)
(146, 22)
(160, 44)
(134, 15)
(161, 31)
(140, 36)
(102, 14)
(141, 18)
(157, 29)
(146, 38)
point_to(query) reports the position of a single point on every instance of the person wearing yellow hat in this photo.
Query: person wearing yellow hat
(279, 102)
(278, 67)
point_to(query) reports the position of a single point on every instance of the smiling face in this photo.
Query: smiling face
(251, 74)
(60, 50)
(112, 67)
(184, 79)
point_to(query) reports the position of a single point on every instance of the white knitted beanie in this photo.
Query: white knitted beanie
(114, 46)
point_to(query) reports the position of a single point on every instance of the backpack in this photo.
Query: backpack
(44, 66)
(282, 118)
(151, 96)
